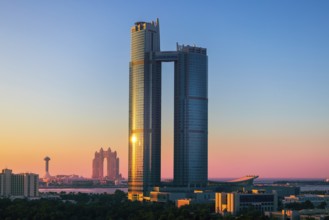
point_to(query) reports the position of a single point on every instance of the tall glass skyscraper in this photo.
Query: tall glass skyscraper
(190, 112)
(144, 110)
(191, 117)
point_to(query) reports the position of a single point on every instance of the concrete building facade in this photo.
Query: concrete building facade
(235, 202)
(304, 214)
(313, 198)
(25, 184)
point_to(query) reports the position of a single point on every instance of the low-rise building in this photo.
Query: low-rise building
(182, 202)
(281, 190)
(314, 199)
(305, 214)
(283, 215)
(174, 194)
(159, 194)
(236, 202)
(24, 184)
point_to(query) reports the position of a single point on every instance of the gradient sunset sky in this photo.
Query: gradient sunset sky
(64, 69)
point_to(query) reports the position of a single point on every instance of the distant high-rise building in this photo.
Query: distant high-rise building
(25, 184)
(112, 165)
(190, 112)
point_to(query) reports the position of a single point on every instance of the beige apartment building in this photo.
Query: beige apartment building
(24, 184)
(236, 202)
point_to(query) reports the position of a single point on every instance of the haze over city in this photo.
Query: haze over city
(64, 69)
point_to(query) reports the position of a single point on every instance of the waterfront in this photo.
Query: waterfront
(83, 190)
(303, 188)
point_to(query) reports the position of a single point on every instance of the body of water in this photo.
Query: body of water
(83, 190)
(314, 188)
(270, 180)
(303, 187)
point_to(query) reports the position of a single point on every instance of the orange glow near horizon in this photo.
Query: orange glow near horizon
(71, 141)
(228, 156)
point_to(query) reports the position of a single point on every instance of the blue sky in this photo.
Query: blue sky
(64, 76)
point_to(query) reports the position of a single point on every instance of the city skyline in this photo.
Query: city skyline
(64, 84)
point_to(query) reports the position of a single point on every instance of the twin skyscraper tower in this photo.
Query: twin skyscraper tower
(190, 112)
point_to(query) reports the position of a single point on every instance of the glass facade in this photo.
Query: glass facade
(144, 110)
(191, 117)
(190, 112)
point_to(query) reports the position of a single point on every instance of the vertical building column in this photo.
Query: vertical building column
(144, 110)
(191, 117)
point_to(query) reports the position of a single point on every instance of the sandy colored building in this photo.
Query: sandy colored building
(111, 165)
(24, 184)
(236, 202)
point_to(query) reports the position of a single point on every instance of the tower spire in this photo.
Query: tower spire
(47, 175)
